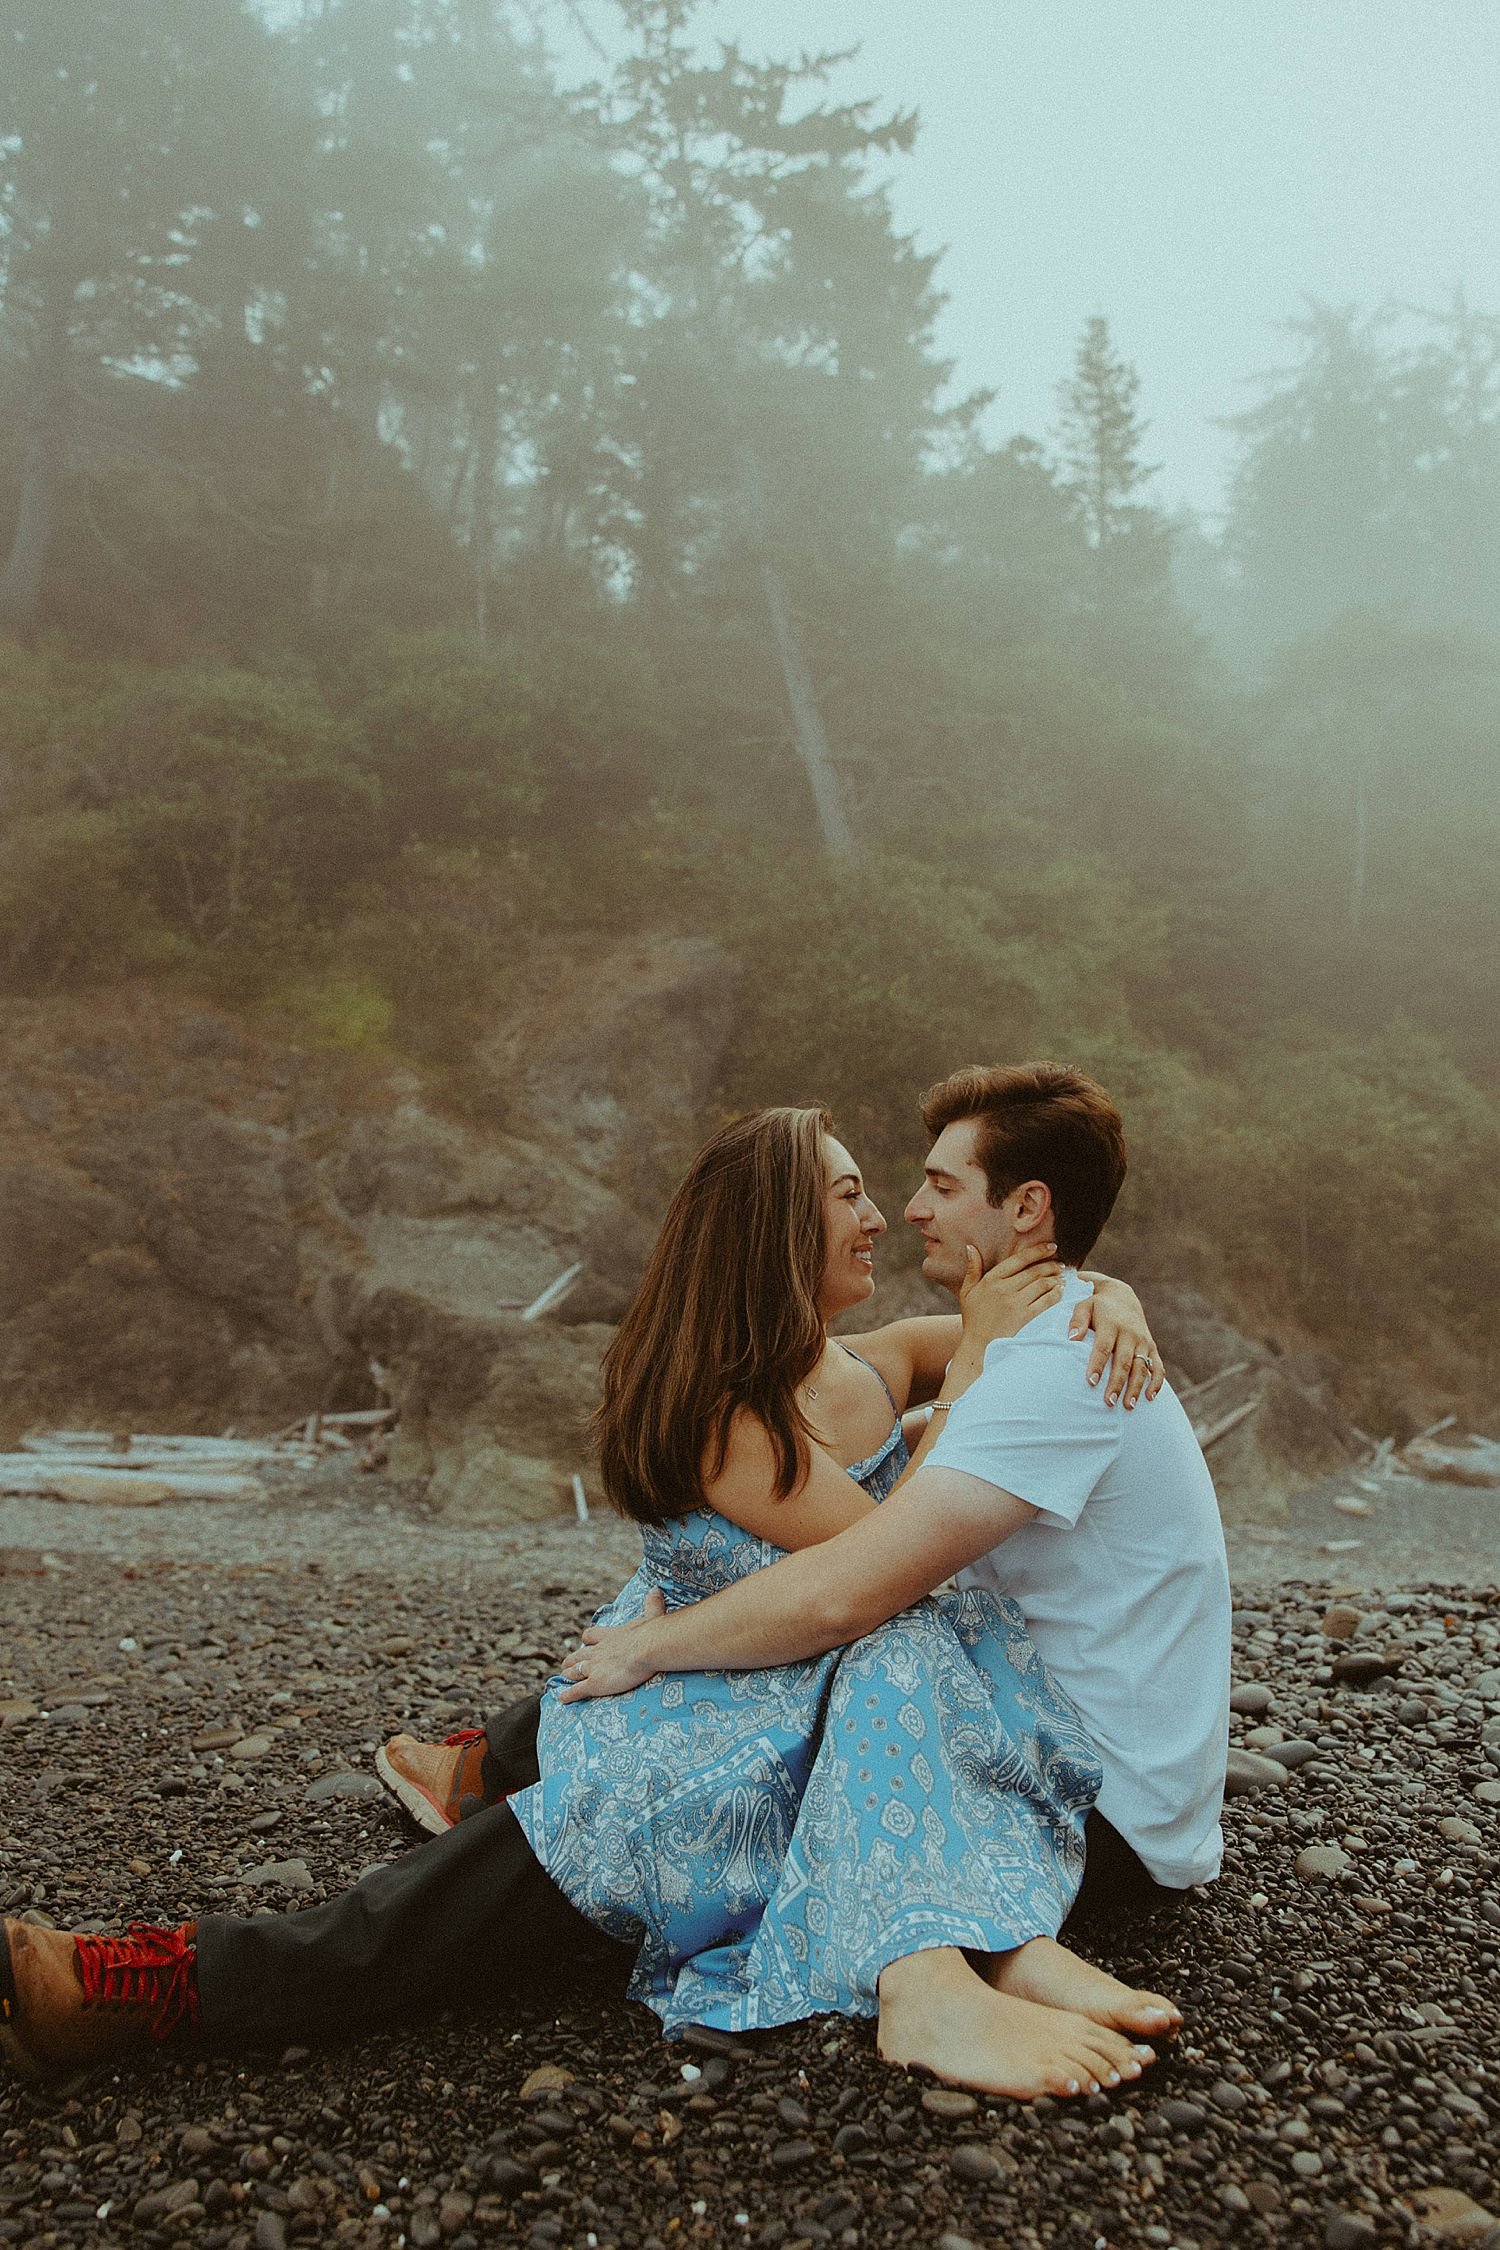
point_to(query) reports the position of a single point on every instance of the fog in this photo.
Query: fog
(484, 485)
(1195, 172)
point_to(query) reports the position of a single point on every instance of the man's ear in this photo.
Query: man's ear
(1033, 1207)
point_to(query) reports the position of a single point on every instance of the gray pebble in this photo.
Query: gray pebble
(1294, 1754)
(949, 2101)
(1323, 1863)
(787, 2155)
(1347, 2230)
(1230, 2098)
(1247, 1772)
(343, 1785)
(292, 1874)
(971, 2162)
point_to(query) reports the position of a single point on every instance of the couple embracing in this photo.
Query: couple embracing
(785, 1771)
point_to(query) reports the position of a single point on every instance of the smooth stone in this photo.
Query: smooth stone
(1229, 2097)
(1460, 1831)
(195, 2140)
(547, 2078)
(1322, 1863)
(1411, 1711)
(952, 2241)
(423, 2229)
(1341, 1621)
(1486, 1792)
(1182, 2117)
(949, 2101)
(164, 2201)
(505, 2176)
(793, 2114)
(294, 1874)
(14, 1710)
(851, 2139)
(1235, 2199)
(787, 2155)
(347, 1784)
(217, 1738)
(1295, 1754)
(252, 1746)
(1308, 2163)
(1246, 1771)
(264, 1821)
(1264, 1738)
(270, 2231)
(971, 2162)
(1355, 1669)
(1252, 1701)
(69, 1715)
(1346, 2230)
(1450, 2214)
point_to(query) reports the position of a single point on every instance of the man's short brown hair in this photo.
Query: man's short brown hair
(1040, 1121)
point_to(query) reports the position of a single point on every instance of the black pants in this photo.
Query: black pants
(463, 1918)
(470, 1916)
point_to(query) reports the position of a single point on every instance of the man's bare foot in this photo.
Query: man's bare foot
(1047, 1974)
(936, 2013)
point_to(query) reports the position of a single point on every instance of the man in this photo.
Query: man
(1102, 1527)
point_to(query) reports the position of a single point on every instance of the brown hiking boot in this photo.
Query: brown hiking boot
(437, 1782)
(69, 2001)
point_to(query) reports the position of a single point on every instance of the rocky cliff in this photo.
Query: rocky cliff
(203, 1225)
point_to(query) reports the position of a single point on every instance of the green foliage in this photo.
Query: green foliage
(447, 730)
(524, 477)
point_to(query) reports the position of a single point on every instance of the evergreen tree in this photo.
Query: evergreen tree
(131, 130)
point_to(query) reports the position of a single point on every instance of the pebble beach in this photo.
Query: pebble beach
(190, 1699)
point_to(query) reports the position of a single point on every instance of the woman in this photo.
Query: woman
(718, 1388)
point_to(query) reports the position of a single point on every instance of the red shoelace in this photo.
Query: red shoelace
(151, 1968)
(464, 1734)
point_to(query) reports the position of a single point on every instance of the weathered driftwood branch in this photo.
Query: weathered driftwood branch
(1222, 1428)
(553, 1294)
(26, 1473)
(1196, 1390)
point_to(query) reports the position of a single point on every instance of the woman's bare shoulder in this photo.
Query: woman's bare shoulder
(910, 1354)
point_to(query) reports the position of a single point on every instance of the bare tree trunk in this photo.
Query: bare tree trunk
(1360, 870)
(796, 678)
(482, 513)
(21, 579)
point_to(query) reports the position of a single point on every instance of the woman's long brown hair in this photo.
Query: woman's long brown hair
(726, 1317)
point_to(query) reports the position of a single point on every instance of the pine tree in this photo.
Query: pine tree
(1099, 439)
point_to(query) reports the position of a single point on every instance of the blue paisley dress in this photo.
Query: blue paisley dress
(771, 1840)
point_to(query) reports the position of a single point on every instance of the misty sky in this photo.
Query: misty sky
(1191, 168)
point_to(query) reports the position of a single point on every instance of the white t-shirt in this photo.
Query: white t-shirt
(1121, 1577)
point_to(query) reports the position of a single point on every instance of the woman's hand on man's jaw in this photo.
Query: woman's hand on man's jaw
(613, 1659)
(1000, 1303)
